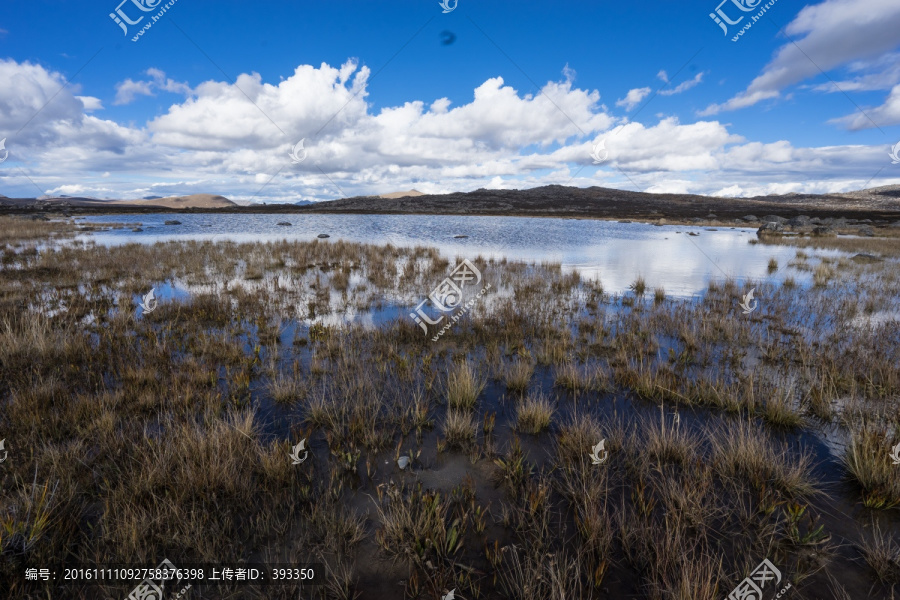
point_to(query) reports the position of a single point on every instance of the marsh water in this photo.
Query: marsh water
(679, 258)
(617, 253)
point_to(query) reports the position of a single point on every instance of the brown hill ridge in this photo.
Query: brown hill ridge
(192, 201)
(408, 194)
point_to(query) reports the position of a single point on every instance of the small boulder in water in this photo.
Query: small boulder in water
(137, 230)
(866, 258)
(173, 222)
(460, 237)
(322, 236)
(770, 227)
(285, 224)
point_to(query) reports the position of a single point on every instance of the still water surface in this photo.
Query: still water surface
(614, 252)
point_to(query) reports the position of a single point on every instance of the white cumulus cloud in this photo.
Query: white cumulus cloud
(633, 97)
(825, 36)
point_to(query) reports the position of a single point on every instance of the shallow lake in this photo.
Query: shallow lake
(616, 253)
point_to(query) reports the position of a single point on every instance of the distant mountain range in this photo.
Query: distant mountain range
(596, 202)
(200, 201)
(882, 204)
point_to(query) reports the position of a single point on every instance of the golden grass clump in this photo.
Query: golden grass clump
(460, 428)
(868, 462)
(464, 385)
(517, 376)
(744, 450)
(534, 413)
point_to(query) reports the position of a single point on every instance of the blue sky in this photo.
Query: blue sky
(213, 97)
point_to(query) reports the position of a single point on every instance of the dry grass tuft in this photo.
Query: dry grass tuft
(744, 450)
(868, 463)
(464, 386)
(460, 428)
(534, 413)
(517, 376)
